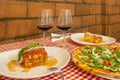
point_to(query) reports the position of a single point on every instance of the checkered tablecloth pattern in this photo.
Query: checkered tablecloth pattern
(70, 72)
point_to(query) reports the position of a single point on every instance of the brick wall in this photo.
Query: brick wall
(113, 18)
(19, 18)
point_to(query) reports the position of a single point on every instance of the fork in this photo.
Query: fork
(56, 36)
(58, 71)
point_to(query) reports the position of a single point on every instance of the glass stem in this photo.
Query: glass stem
(44, 37)
(64, 41)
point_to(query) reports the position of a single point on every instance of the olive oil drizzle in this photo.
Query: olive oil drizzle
(14, 66)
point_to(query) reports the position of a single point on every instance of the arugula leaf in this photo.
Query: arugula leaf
(99, 49)
(96, 64)
(91, 64)
(84, 59)
(114, 68)
(106, 56)
(32, 45)
(117, 53)
(92, 57)
(87, 50)
(99, 65)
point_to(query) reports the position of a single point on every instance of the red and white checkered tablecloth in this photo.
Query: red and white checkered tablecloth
(70, 72)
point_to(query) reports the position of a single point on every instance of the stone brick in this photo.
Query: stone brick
(104, 20)
(12, 9)
(114, 19)
(96, 29)
(103, 10)
(113, 10)
(110, 29)
(77, 22)
(111, 2)
(82, 10)
(95, 9)
(56, 0)
(118, 2)
(116, 10)
(89, 1)
(20, 28)
(2, 30)
(100, 2)
(109, 10)
(113, 28)
(34, 8)
(82, 30)
(88, 20)
(98, 19)
(77, 1)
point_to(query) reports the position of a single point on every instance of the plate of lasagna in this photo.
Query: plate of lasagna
(91, 39)
(32, 61)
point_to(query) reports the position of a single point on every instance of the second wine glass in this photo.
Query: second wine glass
(46, 22)
(64, 23)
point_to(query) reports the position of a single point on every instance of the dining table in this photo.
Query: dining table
(70, 71)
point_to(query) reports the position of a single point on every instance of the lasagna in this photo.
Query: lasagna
(34, 57)
(89, 37)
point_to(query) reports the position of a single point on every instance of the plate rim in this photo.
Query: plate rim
(88, 43)
(31, 77)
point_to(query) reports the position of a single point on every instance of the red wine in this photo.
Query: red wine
(44, 27)
(64, 28)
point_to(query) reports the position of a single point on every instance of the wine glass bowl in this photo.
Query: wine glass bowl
(44, 27)
(65, 20)
(46, 22)
(64, 23)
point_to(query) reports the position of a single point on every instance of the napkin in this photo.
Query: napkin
(55, 36)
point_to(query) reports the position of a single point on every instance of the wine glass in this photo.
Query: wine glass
(64, 23)
(46, 22)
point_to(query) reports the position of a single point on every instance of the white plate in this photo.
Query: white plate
(79, 38)
(60, 54)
